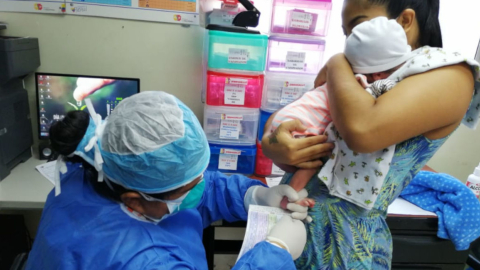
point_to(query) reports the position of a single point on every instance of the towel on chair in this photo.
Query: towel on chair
(456, 206)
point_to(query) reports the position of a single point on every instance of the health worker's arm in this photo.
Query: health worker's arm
(265, 256)
(432, 103)
(224, 197)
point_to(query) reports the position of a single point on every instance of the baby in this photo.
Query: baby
(375, 48)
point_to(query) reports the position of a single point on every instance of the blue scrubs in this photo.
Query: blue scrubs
(80, 229)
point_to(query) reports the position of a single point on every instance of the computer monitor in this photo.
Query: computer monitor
(58, 94)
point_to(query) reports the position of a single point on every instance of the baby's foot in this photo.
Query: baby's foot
(307, 202)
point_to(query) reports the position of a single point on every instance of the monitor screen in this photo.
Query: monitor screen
(58, 94)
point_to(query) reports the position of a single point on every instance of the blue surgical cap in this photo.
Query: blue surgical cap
(151, 142)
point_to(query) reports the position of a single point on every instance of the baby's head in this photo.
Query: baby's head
(377, 48)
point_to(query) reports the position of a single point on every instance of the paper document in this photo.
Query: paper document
(48, 170)
(273, 181)
(261, 220)
(405, 208)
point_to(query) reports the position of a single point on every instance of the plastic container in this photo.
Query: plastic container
(264, 166)
(229, 89)
(264, 115)
(301, 17)
(230, 125)
(283, 88)
(473, 181)
(232, 159)
(237, 51)
(292, 55)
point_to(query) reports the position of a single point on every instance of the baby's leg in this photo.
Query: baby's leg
(299, 181)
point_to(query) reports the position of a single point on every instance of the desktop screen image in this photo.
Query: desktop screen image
(58, 94)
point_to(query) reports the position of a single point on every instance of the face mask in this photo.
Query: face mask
(188, 200)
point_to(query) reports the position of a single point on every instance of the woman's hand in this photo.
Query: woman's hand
(282, 148)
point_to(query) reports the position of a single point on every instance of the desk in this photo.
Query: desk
(413, 236)
(25, 187)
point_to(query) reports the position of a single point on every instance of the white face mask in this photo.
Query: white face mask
(172, 205)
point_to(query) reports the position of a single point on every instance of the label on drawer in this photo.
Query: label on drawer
(230, 151)
(234, 94)
(301, 20)
(237, 56)
(291, 92)
(236, 81)
(238, 117)
(295, 60)
(228, 162)
(230, 129)
(276, 170)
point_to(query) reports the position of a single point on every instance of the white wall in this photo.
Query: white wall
(461, 32)
(168, 57)
(164, 56)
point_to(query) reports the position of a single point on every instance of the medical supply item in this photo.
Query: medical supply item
(232, 159)
(230, 125)
(19, 56)
(473, 181)
(265, 166)
(295, 55)
(234, 89)
(283, 88)
(301, 17)
(237, 51)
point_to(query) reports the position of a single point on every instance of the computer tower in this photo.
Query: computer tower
(18, 57)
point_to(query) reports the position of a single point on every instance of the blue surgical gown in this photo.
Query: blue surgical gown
(79, 229)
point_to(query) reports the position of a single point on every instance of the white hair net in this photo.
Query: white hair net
(151, 142)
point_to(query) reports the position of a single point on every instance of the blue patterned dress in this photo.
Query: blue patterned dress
(345, 236)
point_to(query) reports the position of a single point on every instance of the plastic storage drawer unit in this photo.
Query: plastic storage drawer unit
(232, 159)
(238, 51)
(230, 125)
(264, 115)
(292, 55)
(264, 166)
(229, 89)
(281, 89)
(301, 17)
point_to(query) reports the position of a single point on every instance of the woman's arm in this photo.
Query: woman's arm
(431, 103)
(282, 148)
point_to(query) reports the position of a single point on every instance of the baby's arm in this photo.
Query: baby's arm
(301, 178)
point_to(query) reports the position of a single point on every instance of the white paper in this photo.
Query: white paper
(295, 60)
(301, 20)
(291, 92)
(273, 181)
(48, 170)
(237, 56)
(261, 220)
(230, 129)
(234, 94)
(405, 208)
(276, 170)
(228, 162)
